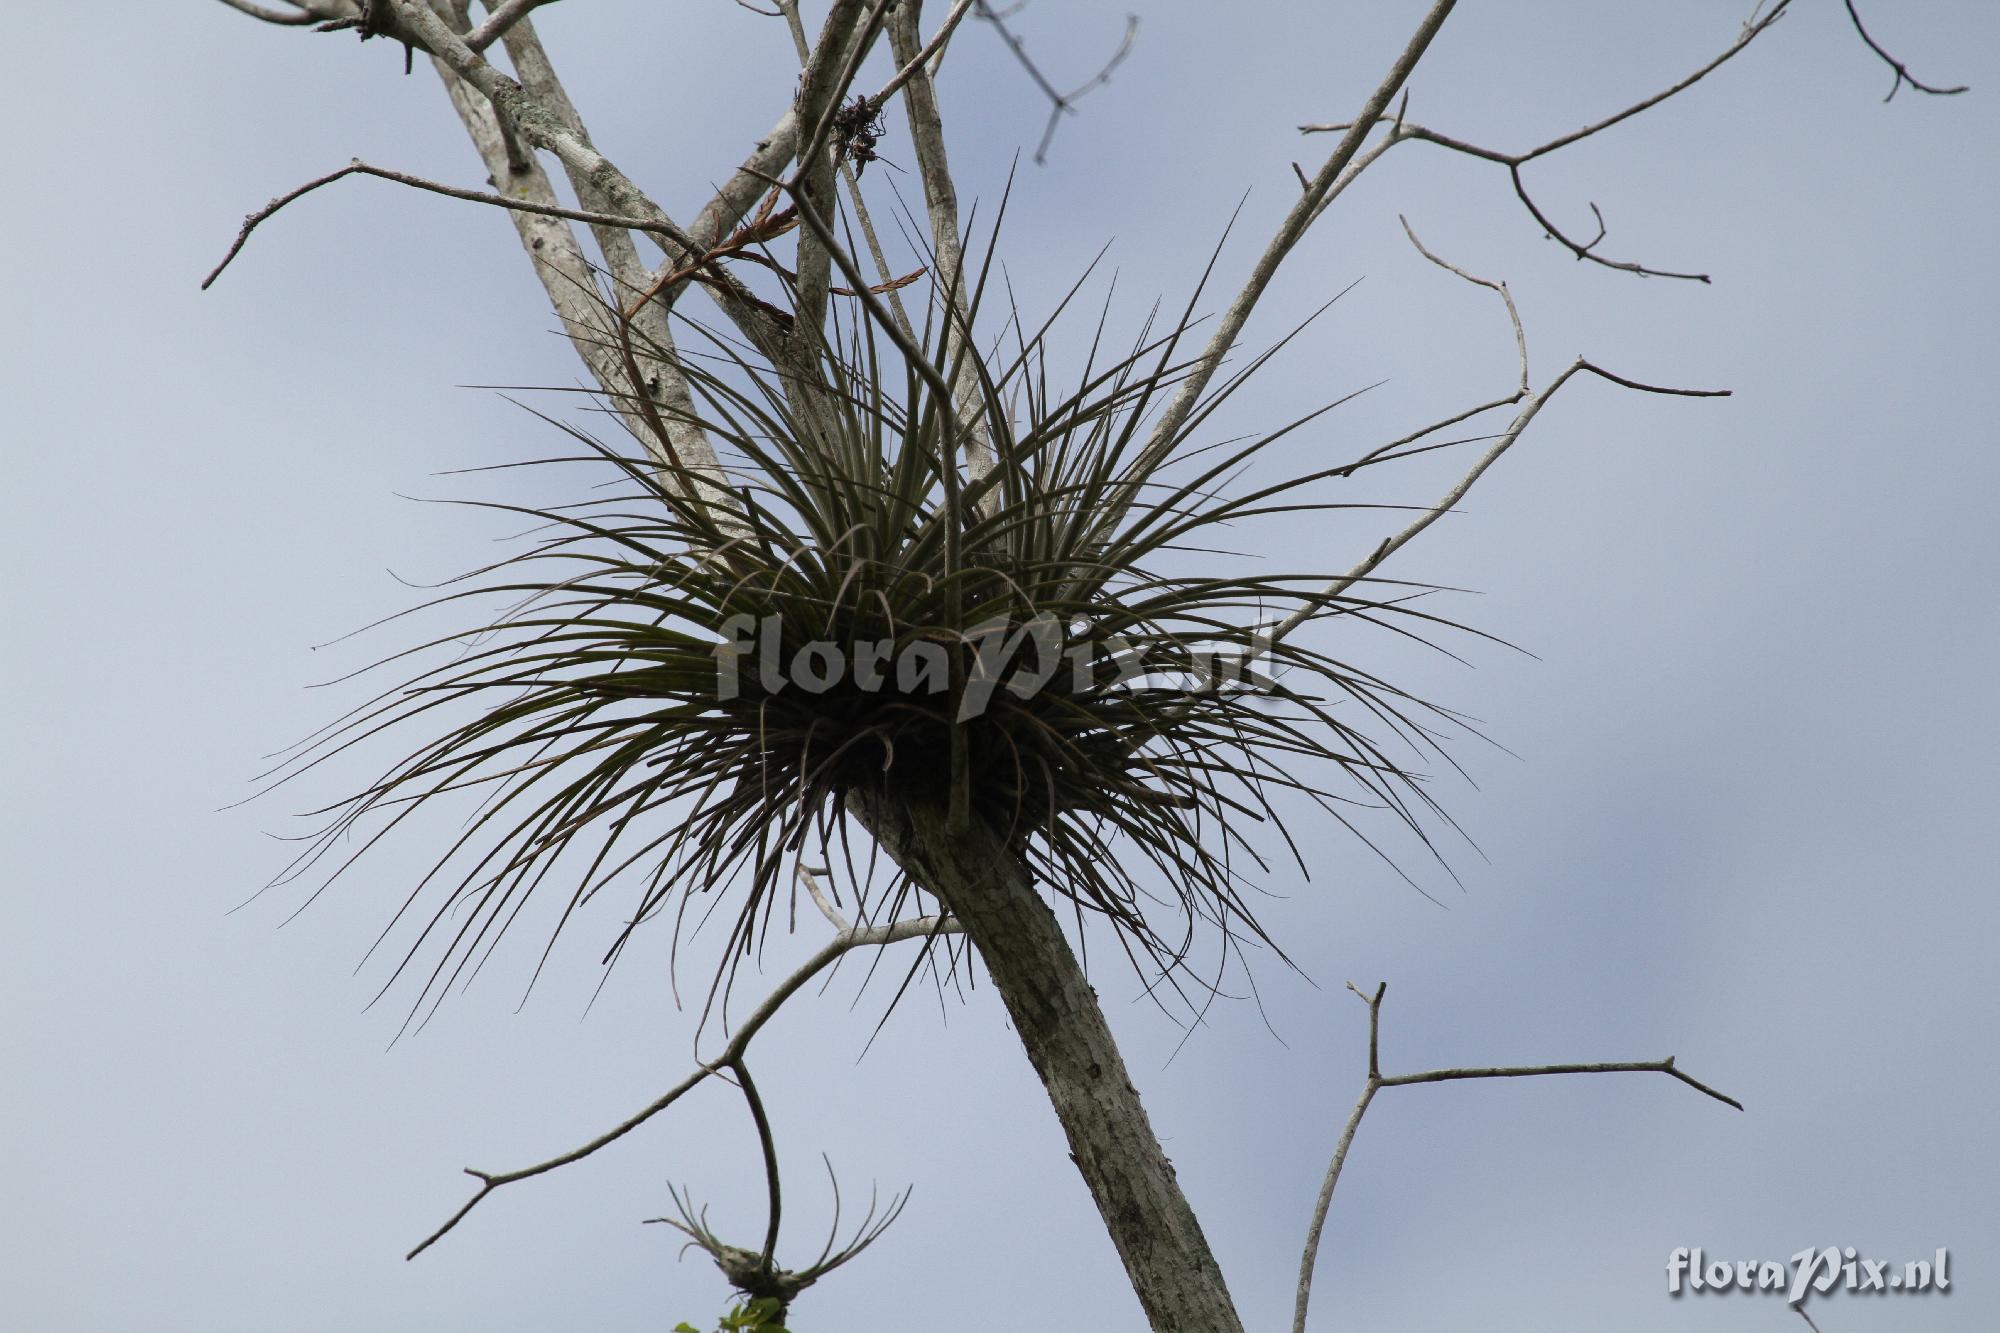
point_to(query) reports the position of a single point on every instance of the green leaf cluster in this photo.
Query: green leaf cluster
(758, 1316)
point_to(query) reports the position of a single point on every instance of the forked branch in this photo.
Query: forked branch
(1501, 444)
(1377, 1080)
(1401, 446)
(730, 1058)
(1903, 76)
(1531, 404)
(1060, 103)
(1402, 130)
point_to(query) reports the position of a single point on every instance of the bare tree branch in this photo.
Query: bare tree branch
(857, 938)
(1294, 226)
(537, 73)
(1903, 76)
(544, 126)
(1501, 444)
(1665, 1066)
(1352, 173)
(1325, 1201)
(291, 18)
(597, 177)
(1377, 1081)
(845, 38)
(815, 171)
(500, 19)
(359, 168)
(865, 110)
(1052, 1006)
(1402, 130)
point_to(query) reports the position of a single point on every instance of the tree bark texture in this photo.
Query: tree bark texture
(1062, 1028)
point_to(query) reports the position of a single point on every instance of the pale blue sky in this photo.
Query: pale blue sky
(1747, 817)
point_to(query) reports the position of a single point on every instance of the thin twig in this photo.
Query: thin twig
(1800, 1310)
(1384, 453)
(1387, 453)
(1501, 444)
(1325, 1201)
(1354, 169)
(1377, 1081)
(1402, 130)
(1513, 314)
(1665, 1066)
(1643, 387)
(1061, 103)
(1903, 76)
(357, 167)
(871, 936)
